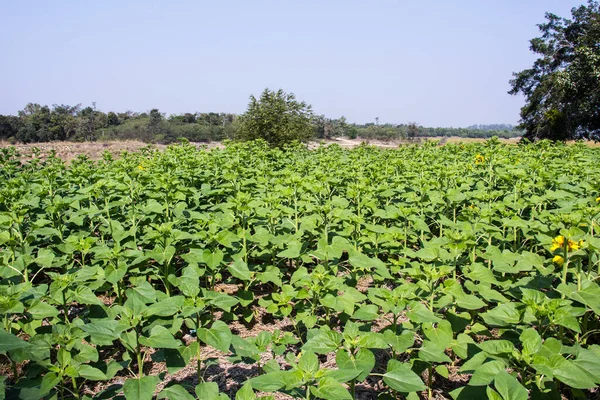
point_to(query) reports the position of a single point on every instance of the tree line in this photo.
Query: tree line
(43, 123)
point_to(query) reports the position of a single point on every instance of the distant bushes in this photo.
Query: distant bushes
(37, 123)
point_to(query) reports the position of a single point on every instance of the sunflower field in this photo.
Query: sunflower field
(465, 271)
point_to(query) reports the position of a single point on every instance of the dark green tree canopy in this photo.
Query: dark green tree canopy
(562, 88)
(276, 117)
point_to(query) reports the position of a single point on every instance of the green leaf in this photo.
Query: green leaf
(420, 314)
(8, 342)
(207, 390)
(440, 333)
(103, 332)
(239, 269)
(245, 393)
(93, 374)
(469, 302)
(496, 347)
(45, 258)
(330, 389)
(175, 392)
(431, 352)
(492, 394)
(212, 259)
(292, 250)
(469, 393)
(442, 370)
(218, 336)
(363, 362)
(3, 387)
(49, 382)
(400, 377)
(485, 374)
(85, 295)
(400, 343)
(322, 343)
(369, 312)
(42, 310)
(364, 262)
(160, 338)
(309, 362)
(269, 382)
(505, 314)
(140, 388)
(509, 387)
(166, 307)
(531, 341)
(573, 375)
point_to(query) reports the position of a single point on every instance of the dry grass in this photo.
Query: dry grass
(70, 150)
(67, 151)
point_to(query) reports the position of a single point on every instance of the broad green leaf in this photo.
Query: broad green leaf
(431, 352)
(175, 392)
(49, 382)
(509, 387)
(400, 377)
(239, 269)
(486, 373)
(573, 375)
(218, 336)
(245, 393)
(140, 388)
(330, 389)
(531, 341)
(363, 362)
(207, 390)
(166, 308)
(42, 310)
(419, 314)
(496, 347)
(505, 314)
(8, 342)
(160, 338)
(91, 373)
(400, 343)
(292, 250)
(322, 343)
(269, 382)
(309, 362)
(369, 312)
(469, 302)
(440, 333)
(103, 332)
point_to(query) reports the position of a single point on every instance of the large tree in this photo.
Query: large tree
(562, 88)
(276, 117)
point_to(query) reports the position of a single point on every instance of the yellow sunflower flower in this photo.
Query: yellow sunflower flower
(557, 243)
(479, 159)
(574, 245)
(597, 199)
(558, 260)
(140, 167)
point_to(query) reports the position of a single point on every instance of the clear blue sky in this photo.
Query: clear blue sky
(436, 62)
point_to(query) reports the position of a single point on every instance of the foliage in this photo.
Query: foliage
(277, 118)
(562, 87)
(36, 123)
(477, 260)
